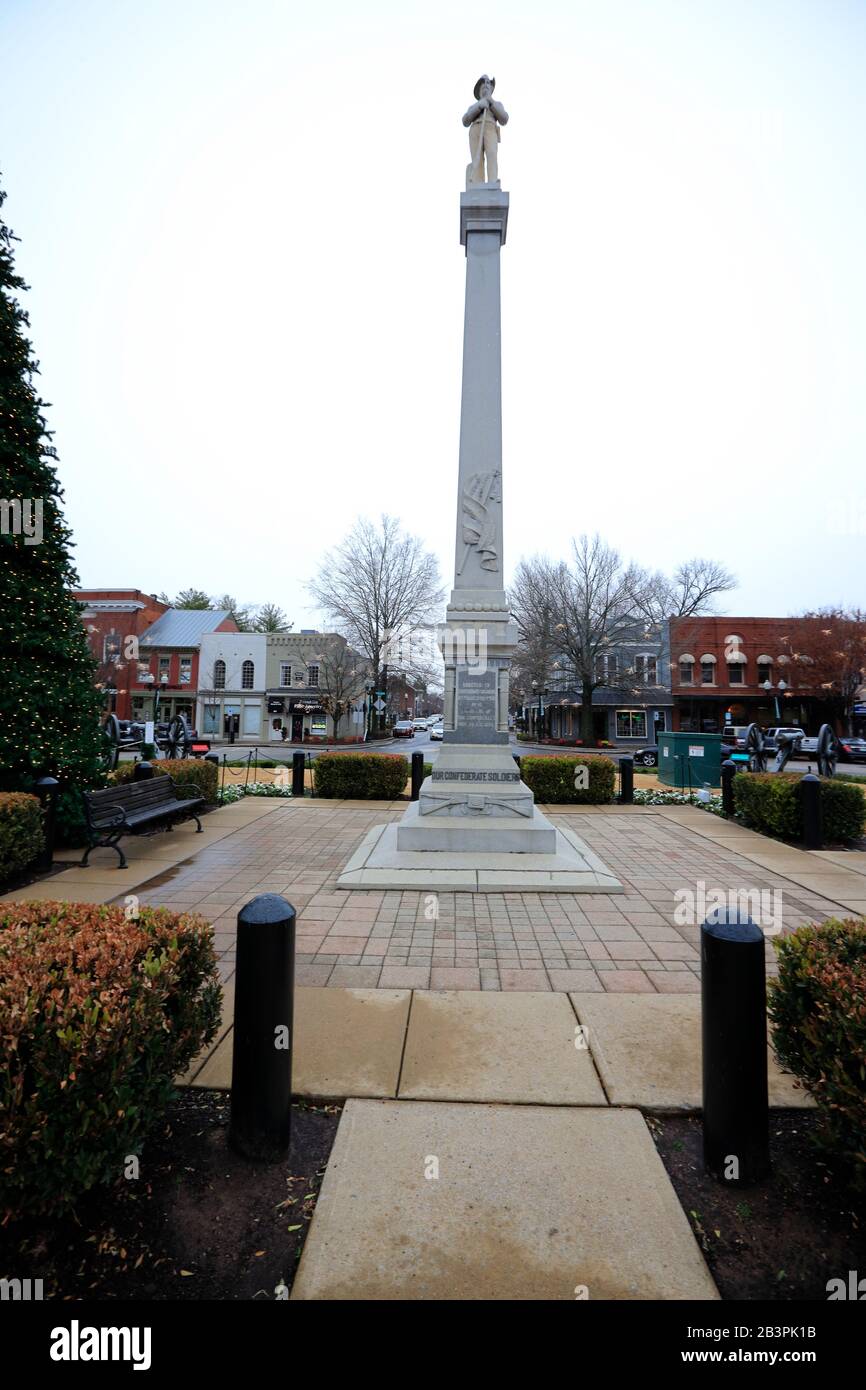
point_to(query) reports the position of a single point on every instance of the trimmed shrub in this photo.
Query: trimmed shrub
(21, 834)
(552, 778)
(770, 802)
(98, 1014)
(817, 1008)
(187, 774)
(361, 776)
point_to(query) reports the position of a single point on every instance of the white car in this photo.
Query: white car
(436, 732)
(420, 724)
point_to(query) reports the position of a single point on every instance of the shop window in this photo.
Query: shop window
(211, 720)
(631, 723)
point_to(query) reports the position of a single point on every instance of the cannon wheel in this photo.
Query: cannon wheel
(110, 750)
(179, 741)
(828, 751)
(755, 749)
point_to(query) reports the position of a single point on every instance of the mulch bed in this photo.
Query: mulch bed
(199, 1223)
(783, 1238)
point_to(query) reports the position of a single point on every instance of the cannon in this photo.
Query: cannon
(754, 746)
(173, 738)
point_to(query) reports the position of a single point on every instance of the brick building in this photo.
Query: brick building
(740, 670)
(112, 617)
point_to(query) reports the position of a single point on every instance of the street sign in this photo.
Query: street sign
(379, 706)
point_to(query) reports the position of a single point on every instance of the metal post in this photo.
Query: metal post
(729, 770)
(261, 1109)
(810, 810)
(734, 1028)
(626, 781)
(47, 789)
(143, 771)
(298, 761)
(417, 774)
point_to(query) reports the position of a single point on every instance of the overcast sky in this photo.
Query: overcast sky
(239, 220)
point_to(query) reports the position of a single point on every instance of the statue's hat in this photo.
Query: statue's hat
(484, 78)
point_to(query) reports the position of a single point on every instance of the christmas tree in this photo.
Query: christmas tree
(49, 708)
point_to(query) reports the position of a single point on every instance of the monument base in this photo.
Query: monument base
(570, 868)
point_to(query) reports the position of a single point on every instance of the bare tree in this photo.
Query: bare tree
(828, 656)
(597, 609)
(692, 590)
(532, 600)
(342, 673)
(377, 583)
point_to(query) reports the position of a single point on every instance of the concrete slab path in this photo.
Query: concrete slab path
(440, 1201)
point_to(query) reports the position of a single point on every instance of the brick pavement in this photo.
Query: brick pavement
(629, 942)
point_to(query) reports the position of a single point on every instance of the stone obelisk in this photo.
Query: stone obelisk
(475, 824)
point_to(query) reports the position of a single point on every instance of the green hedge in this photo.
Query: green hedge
(99, 1012)
(361, 776)
(817, 1008)
(186, 773)
(552, 778)
(770, 802)
(21, 836)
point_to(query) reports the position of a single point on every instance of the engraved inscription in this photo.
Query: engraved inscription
(475, 776)
(476, 700)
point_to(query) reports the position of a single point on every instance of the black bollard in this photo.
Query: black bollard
(298, 761)
(729, 771)
(143, 771)
(47, 789)
(810, 811)
(261, 1110)
(734, 1029)
(626, 781)
(417, 774)
(212, 758)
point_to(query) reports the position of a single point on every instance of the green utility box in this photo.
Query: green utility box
(687, 761)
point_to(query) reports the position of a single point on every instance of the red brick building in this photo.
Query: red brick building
(115, 620)
(740, 670)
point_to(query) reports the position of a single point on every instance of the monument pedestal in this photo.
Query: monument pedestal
(475, 825)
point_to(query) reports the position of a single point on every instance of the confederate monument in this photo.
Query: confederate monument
(475, 825)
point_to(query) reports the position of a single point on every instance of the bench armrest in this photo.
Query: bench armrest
(193, 786)
(117, 819)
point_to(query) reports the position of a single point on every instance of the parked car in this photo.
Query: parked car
(852, 750)
(647, 757)
(735, 735)
(404, 728)
(437, 731)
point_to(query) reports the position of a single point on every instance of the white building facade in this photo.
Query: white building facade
(231, 685)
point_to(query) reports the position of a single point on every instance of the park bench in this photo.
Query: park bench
(132, 807)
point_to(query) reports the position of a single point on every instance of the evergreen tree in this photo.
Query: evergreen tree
(49, 708)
